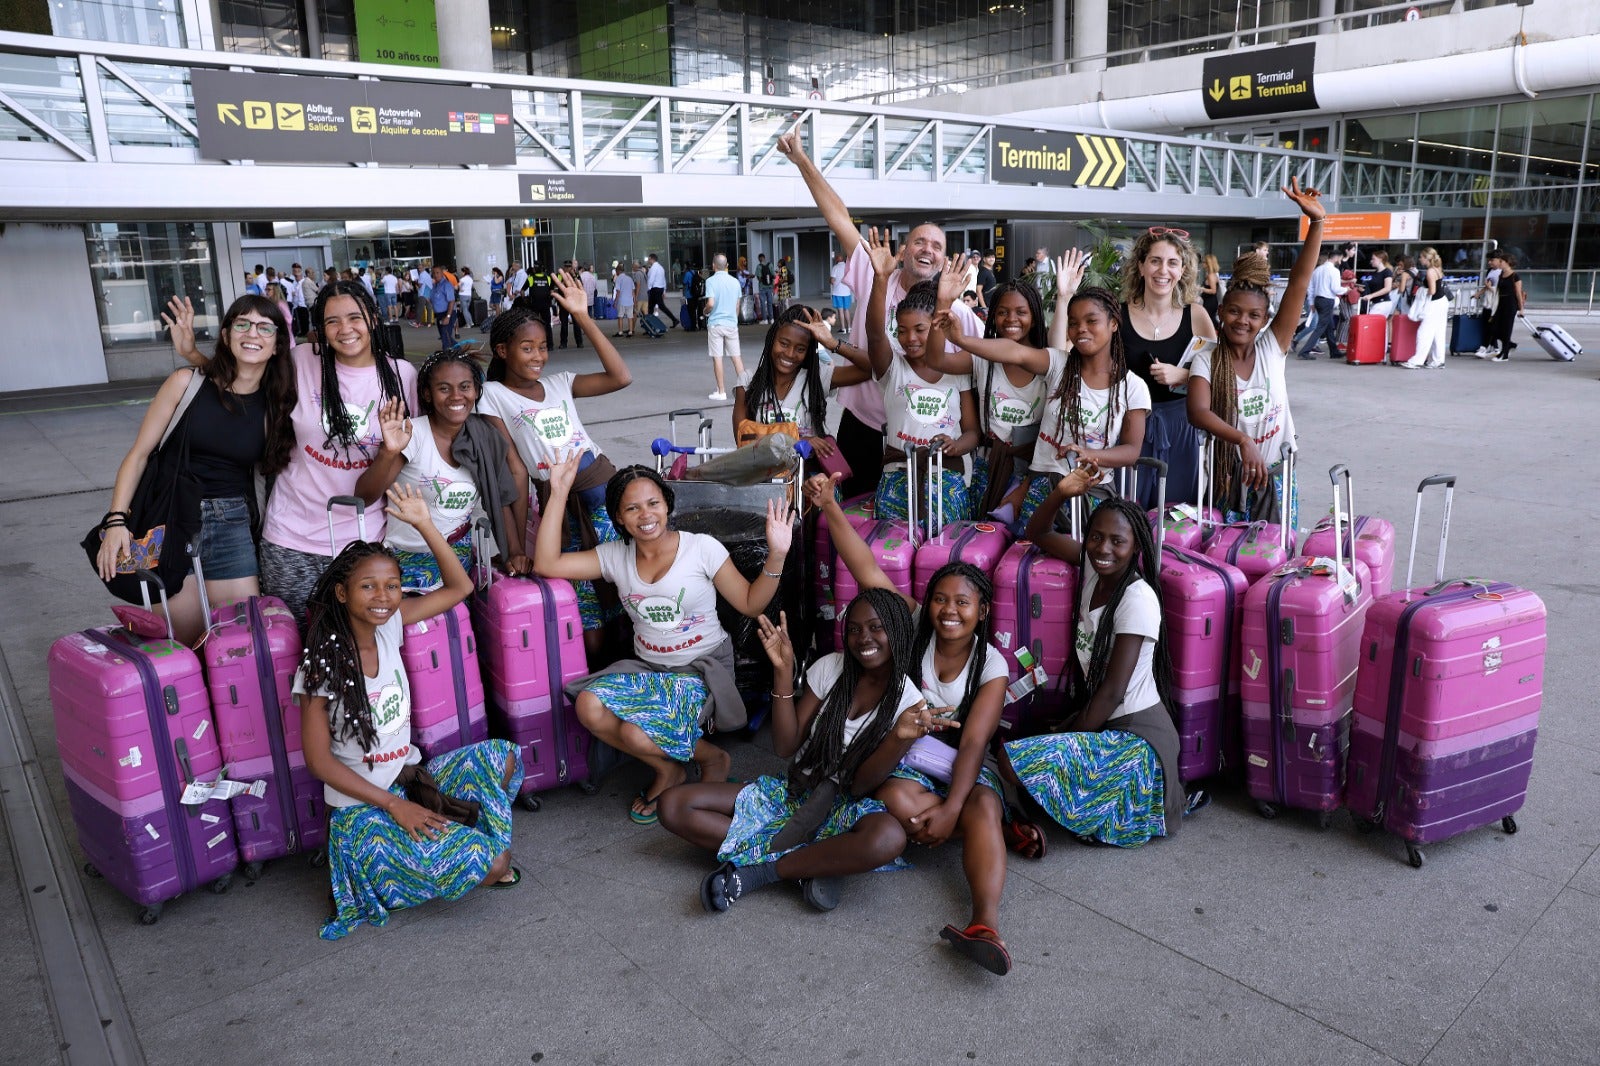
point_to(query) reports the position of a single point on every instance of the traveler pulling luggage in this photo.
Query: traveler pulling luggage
(1447, 703)
(1301, 641)
(138, 749)
(652, 325)
(1367, 538)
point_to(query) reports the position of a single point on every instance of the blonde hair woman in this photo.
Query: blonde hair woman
(1433, 327)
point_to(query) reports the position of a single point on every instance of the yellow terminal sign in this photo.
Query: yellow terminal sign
(1261, 81)
(1082, 160)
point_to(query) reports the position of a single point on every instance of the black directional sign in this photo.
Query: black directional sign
(548, 189)
(1033, 157)
(1269, 81)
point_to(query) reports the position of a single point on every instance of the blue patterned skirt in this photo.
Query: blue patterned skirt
(890, 502)
(986, 777)
(1105, 785)
(419, 571)
(376, 867)
(593, 613)
(666, 706)
(765, 806)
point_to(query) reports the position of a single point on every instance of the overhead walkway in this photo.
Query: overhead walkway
(106, 131)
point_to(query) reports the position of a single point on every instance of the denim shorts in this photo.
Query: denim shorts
(227, 551)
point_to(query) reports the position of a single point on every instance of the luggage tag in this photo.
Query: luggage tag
(1033, 675)
(1322, 566)
(199, 792)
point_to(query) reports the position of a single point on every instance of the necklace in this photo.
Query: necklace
(1156, 328)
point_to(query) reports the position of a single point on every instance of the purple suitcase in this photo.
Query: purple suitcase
(1202, 604)
(250, 658)
(1447, 703)
(134, 730)
(1300, 644)
(1035, 601)
(531, 641)
(1367, 538)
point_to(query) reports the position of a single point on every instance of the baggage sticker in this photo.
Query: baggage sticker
(95, 649)
(210, 819)
(1491, 643)
(133, 758)
(258, 789)
(1491, 663)
(1257, 760)
(214, 841)
(1253, 667)
(1003, 639)
(148, 828)
(200, 730)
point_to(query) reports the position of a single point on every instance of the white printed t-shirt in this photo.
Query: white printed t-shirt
(674, 619)
(541, 429)
(1011, 412)
(919, 410)
(389, 699)
(951, 693)
(1098, 429)
(451, 494)
(1138, 613)
(793, 406)
(821, 678)
(297, 512)
(1263, 405)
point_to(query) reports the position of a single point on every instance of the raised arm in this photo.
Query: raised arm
(1070, 269)
(407, 504)
(395, 425)
(750, 598)
(1294, 295)
(833, 209)
(568, 292)
(1041, 527)
(879, 352)
(548, 558)
(854, 555)
(1001, 350)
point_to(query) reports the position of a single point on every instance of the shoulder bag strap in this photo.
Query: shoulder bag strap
(190, 391)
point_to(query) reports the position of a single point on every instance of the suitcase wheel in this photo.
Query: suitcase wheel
(318, 859)
(1363, 825)
(1265, 809)
(91, 870)
(1414, 856)
(1509, 824)
(252, 872)
(531, 802)
(220, 885)
(150, 915)
(1324, 819)
(588, 789)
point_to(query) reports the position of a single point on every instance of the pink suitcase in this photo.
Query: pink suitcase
(1446, 704)
(979, 543)
(893, 545)
(1257, 548)
(532, 645)
(1202, 604)
(859, 512)
(1035, 595)
(1367, 539)
(1300, 644)
(134, 730)
(447, 703)
(250, 658)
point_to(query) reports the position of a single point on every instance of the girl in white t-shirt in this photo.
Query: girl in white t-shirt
(791, 383)
(538, 412)
(1094, 408)
(460, 463)
(964, 680)
(926, 410)
(1110, 773)
(384, 850)
(844, 732)
(668, 582)
(1238, 392)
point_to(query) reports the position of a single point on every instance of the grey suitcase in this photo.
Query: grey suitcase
(1556, 342)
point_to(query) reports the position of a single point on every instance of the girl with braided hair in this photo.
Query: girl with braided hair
(963, 677)
(791, 383)
(1110, 773)
(386, 851)
(853, 721)
(537, 411)
(1238, 393)
(458, 460)
(344, 375)
(1095, 409)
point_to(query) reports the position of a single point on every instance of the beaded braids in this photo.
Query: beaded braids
(1144, 566)
(341, 427)
(1068, 396)
(618, 485)
(503, 333)
(824, 754)
(761, 395)
(1251, 277)
(331, 661)
(434, 362)
(979, 656)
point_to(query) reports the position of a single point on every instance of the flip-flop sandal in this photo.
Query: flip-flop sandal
(511, 882)
(641, 817)
(1025, 838)
(980, 944)
(1197, 801)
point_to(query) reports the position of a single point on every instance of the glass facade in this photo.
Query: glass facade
(138, 267)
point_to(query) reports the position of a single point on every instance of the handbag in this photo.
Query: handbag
(1417, 309)
(932, 757)
(161, 495)
(750, 430)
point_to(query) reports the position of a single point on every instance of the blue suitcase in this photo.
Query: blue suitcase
(652, 325)
(604, 308)
(1466, 333)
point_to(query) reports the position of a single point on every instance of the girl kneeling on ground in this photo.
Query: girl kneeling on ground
(385, 851)
(846, 730)
(658, 705)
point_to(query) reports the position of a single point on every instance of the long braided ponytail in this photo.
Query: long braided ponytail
(331, 660)
(1251, 278)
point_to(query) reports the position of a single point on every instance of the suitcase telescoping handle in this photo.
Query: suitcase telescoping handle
(360, 506)
(1449, 483)
(146, 578)
(935, 492)
(911, 492)
(193, 548)
(481, 564)
(1287, 534)
(1160, 468)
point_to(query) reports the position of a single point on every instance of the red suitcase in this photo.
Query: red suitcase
(1403, 339)
(1368, 339)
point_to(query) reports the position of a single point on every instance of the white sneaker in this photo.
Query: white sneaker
(1486, 353)
(1409, 366)
(717, 396)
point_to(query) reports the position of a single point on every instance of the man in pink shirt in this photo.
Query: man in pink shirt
(921, 258)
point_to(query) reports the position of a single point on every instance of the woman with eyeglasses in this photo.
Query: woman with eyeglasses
(235, 425)
(1161, 314)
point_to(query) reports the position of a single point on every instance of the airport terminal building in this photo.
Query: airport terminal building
(161, 147)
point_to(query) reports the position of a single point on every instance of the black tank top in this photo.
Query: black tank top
(225, 444)
(1141, 352)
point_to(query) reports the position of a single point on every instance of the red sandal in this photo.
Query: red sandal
(1025, 838)
(980, 944)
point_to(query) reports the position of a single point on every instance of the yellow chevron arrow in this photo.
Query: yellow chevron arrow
(1120, 162)
(1099, 180)
(1092, 157)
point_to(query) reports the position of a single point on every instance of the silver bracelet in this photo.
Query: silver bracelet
(768, 573)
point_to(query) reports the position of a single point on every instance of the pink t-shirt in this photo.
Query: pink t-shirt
(865, 400)
(297, 512)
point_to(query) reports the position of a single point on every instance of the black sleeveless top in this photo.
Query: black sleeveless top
(1141, 352)
(225, 444)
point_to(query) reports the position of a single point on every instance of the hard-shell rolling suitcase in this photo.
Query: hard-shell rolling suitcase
(652, 325)
(133, 726)
(1402, 338)
(1301, 641)
(1369, 339)
(1447, 703)
(892, 544)
(250, 658)
(749, 309)
(1556, 342)
(686, 316)
(1367, 538)
(604, 309)
(1035, 595)
(979, 543)
(824, 593)
(479, 310)
(1466, 333)
(1185, 525)
(1257, 548)
(532, 645)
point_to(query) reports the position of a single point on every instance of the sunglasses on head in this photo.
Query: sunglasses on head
(1166, 231)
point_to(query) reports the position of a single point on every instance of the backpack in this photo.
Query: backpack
(697, 288)
(764, 275)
